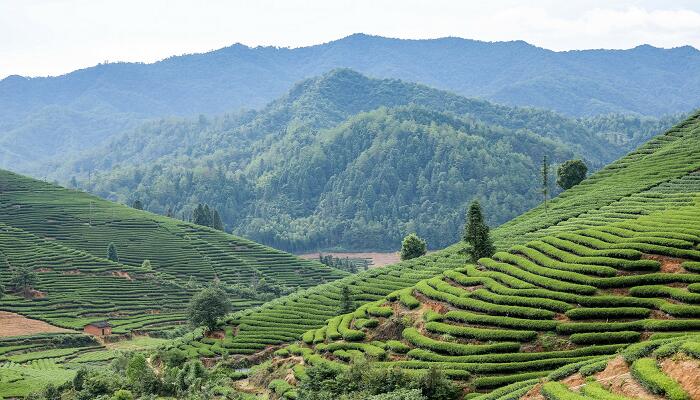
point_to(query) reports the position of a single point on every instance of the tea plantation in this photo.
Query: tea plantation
(662, 367)
(662, 175)
(63, 235)
(522, 314)
(28, 363)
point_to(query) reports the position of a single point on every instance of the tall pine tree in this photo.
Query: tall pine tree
(345, 300)
(477, 235)
(112, 252)
(545, 180)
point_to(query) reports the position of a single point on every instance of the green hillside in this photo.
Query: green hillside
(346, 161)
(63, 235)
(656, 185)
(522, 314)
(666, 367)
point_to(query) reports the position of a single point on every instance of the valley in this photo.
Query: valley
(339, 216)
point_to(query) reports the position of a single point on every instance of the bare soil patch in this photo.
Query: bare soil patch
(12, 324)
(122, 274)
(574, 381)
(378, 259)
(670, 265)
(617, 378)
(686, 372)
(534, 394)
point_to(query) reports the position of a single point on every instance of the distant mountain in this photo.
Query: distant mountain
(46, 117)
(349, 161)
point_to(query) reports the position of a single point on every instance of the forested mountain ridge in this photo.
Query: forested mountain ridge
(45, 117)
(345, 160)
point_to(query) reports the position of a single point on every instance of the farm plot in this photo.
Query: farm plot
(661, 175)
(573, 298)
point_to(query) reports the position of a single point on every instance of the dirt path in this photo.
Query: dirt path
(12, 324)
(378, 259)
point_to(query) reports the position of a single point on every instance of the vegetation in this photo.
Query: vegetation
(23, 280)
(207, 306)
(317, 169)
(58, 238)
(476, 234)
(571, 173)
(658, 177)
(412, 246)
(50, 117)
(112, 253)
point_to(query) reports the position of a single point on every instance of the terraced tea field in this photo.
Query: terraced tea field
(520, 315)
(660, 175)
(31, 362)
(63, 235)
(662, 368)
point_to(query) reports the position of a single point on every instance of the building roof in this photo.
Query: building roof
(100, 324)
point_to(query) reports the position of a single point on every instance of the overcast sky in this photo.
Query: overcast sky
(52, 37)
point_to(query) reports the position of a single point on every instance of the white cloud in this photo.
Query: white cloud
(40, 37)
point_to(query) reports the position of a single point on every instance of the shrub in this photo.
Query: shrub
(605, 337)
(608, 313)
(648, 374)
(559, 391)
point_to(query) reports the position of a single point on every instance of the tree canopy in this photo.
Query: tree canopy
(571, 173)
(412, 247)
(207, 306)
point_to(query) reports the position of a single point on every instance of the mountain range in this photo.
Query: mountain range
(43, 118)
(346, 161)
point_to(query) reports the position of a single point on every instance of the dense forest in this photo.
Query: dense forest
(345, 161)
(55, 117)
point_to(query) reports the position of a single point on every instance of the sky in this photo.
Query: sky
(53, 37)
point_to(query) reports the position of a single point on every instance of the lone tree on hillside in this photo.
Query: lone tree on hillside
(412, 247)
(345, 300)
(571, 173)
(207, 306)
(112, 252)
(545, 180)
(23, 280)
(476, 233)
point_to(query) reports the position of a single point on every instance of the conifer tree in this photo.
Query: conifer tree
(345, 300)
(137, 205)
(112, 252)
(545, 180)
(475, 220)
(476, 234)
(216, 221)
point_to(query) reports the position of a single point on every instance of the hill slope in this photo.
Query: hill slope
(51, 116)
(659, 179)
(63, 235)
(345, 160)
(661, 367)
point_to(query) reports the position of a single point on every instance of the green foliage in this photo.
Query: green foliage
(318, 169)
(23, 280)
(140, 375)
(346, 304)
(571, 173)
(412, 246)
(122, 394)
(207, 306)
(648, 374)
(112, 252)
(476, 234)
